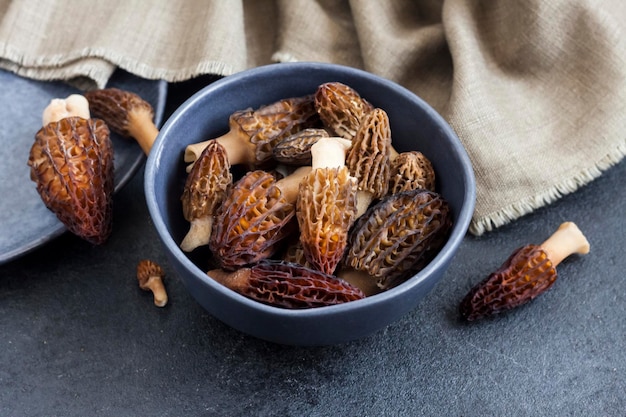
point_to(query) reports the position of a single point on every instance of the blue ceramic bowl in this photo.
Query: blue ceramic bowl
(415, 126)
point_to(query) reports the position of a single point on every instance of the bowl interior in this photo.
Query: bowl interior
(414, 126)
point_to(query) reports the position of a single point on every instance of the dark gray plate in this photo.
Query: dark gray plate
(25, 223)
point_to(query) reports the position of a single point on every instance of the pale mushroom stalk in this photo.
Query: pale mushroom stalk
(290, 185)
(565, 241)
(126, 113)
(150, 278)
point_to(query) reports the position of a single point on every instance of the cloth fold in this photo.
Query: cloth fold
(535, 89)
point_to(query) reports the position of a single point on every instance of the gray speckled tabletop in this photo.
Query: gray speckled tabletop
(80, 339)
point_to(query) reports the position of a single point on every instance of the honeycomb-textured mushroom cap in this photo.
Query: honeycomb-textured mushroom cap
(252, 220)
(288, 285)
(326, 210)
(71, 162)
(394, 235)
(411, 171)
(115, 107)
(205, 190)
(296, 149)
(341, 108)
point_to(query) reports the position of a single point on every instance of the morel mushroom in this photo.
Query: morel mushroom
(326, 205)
(296, 149)
(205, 189)
(254, 218)
(368, 158)
(341, 108)
(527, 273)
(287, 285)
(71, 162)
(125, 113)
(397, 236)
(411, 171)
(150, 278)
(254, 133)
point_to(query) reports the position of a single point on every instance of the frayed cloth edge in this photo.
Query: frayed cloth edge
(481, 225)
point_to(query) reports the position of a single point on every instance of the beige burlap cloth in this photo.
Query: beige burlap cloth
(535, 89)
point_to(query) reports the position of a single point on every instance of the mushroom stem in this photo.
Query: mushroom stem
(363, 201)
(142, 128)
(72, 105)
(289, 185)
(330, 152)
(565, 241)
(199, 233)
(235, 280)
(238, 149)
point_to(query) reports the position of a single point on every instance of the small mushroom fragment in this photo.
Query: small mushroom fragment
(368, 158)
(150, 278)
(326, 205)
(393, 238)
(527, 273)
(254, 133)
(205, 189)
(254, 218)
(71, 161)
(411, 171)
(296, 149)
(341, 108)
(287, 285)
(125, 113)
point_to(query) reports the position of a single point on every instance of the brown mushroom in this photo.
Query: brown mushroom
(368, 158)
(411, 171)
(296, 149)
(125, 113)
(254, 218)
(341, 108)
(150, 278)
(287, 285)
(326, 205)
(527, 273)
(398, 235)
(205, 189)
(254, 133)
(71, 161)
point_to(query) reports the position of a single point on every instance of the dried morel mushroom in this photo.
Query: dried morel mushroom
(326, 205)
(527, 273)
(411, 171)
(150, 278)
(205, 189)
(71, 162)
(368, 158)
(254, 133)
(296, 149)
(287, 285)
(341, 108)
(125, 113)
(390, 241)
(254, 218)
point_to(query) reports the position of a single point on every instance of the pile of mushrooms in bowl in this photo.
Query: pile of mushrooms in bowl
(308, 203)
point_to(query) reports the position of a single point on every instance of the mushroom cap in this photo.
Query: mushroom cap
(147, 269)
(269, 124)
(368, 157)
(527, 273)
(289, 285)
(115, 107)
(410, 171)
(296, 149)
(341, 108)
(394, 236)
(71, 161)
(326, 208)
(207, 183)
(252, 220)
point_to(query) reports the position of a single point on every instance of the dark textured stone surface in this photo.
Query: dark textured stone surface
(79, 338)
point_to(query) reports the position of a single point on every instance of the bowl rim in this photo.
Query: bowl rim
(445, 255)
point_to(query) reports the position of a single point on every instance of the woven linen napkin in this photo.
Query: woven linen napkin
(535, 89)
